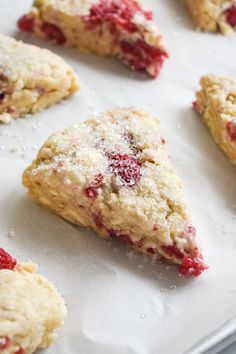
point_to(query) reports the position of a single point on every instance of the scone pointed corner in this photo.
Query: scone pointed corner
(112, 173)
(193, 266)
(120, 28)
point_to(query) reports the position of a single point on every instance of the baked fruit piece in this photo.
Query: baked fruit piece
(30, 307)
(213, 15)
(121, 28)
(112, 173)
(31, 79)
(216, 103)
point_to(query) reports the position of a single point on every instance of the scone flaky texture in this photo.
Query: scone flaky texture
(122, 28)
(213, 15)
(30, 310)
(113, 174)
(31, 79)
(216, 103)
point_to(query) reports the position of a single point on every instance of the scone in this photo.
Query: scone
(31, 79)
(213, 15)
(216, 103)
(112, 173)
(30, 308)
(121, 28)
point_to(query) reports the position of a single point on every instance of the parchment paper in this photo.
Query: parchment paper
(119, 303)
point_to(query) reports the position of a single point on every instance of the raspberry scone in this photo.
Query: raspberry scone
(216, 103)
(30, 308)
(31, 79)
(112, 173)
(213, 15)
(121, 28)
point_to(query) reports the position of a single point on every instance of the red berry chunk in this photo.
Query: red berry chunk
(92, 190)
(140, 55)
(155, 227)
(190, 231)
(192, 266)
(20, 351)
(231, 130)
(119, 13)
(163, 141)
(126, 167)
(194, 104)
(6, 260)
(26, 23)
(126, 239)
(53, 32)
(98, 219)
(3, 86)
(231, 16)
(2, 96)
(150, 251)
(4, 342)
(172, 251)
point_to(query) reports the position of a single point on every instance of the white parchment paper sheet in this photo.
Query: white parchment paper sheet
(117, 304)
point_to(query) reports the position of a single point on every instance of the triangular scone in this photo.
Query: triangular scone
(121, 28)
(216, 103)
(31, 79)
(213, 15)
(30, 307)
(112, 173)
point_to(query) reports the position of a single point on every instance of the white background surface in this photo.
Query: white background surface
(118, 305)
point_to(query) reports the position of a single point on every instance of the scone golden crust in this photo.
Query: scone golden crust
(213, 15)
(30, 308)
(216, 103)
(31, 79)
(121, 28)
(112, 173)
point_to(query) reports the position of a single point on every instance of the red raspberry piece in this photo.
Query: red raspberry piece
(194, 104)
(20, 351)
(2, 96)
(26, 23)
(98, 219)
(155, 227)
(163, 141)
(141, 55)
(126, 167)
(192, 266)
(123, 237)
(53, 32)
(6, 260)
(150, 250)
(118, 13)
(4, 342)
(3, 86)
(190, 231)
(91, 191)
(126, 239)
(231, 16)
(231, 130)
(172, 251)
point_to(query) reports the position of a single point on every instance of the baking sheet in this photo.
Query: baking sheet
(119, 302)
